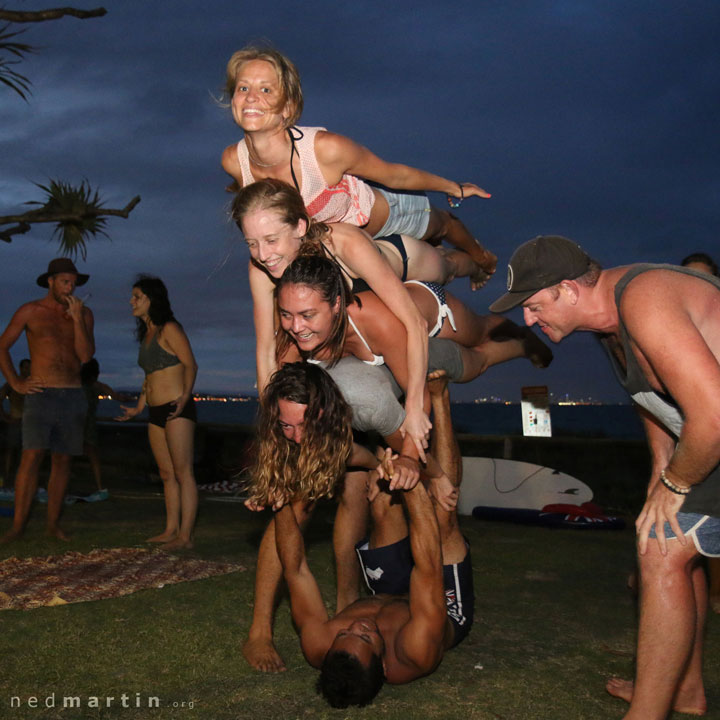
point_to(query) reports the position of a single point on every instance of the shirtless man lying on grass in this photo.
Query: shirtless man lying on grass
(418, 569)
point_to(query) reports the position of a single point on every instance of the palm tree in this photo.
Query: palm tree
(14, 80)
(77, 211)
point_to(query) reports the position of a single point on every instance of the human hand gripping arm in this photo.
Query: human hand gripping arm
(440, 487)
(362, 258)
(338, 155)
(400, 472)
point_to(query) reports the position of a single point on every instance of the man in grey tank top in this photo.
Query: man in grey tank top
(661, 328)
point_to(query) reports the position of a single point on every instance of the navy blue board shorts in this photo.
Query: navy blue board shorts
(387, 570)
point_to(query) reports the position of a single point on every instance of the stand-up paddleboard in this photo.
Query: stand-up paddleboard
(498, 483)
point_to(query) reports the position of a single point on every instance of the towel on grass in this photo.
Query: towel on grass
(27, 583)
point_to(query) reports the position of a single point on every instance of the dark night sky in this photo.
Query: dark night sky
(593, 119)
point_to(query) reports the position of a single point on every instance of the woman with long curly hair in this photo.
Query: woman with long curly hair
(170, 370)
(304, 437)
(305, 443)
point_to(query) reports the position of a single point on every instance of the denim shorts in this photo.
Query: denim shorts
(54, 420)
(409, 214)
(703, 529)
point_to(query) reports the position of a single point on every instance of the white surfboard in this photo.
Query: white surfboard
(494, 482)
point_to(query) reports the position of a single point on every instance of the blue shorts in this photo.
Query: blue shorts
(387, 570)
(703, 529)
(54, 420)
(409, 214)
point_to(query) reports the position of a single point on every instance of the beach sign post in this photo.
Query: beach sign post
(535, 408)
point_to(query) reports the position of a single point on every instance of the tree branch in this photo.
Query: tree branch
(20, 16)
(42, 216)
(6, 235)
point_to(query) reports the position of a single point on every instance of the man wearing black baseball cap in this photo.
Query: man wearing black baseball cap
(661, 327)
(59, 332)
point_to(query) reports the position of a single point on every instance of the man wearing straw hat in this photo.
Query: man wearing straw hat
(661, 327)
(59, 333)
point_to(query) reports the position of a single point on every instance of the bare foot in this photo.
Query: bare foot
(486, 260)
(485, 265)
(56, 532)
(262, 655)
(483, 257)
(478, 278)
(536, 351)
(437, 381)
(177, 544)
(682, 702)
(163, 537)
(11, 536)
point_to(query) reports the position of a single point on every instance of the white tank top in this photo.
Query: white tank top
(349, 201)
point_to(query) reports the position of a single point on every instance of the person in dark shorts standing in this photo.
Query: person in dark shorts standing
(59, 332)
(170, 370)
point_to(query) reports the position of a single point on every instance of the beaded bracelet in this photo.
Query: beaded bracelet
(672, 487)
(456, 202)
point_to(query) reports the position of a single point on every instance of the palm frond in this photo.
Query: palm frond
(80, 207)
(9, 77)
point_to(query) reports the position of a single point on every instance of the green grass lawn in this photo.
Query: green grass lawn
(554, 619)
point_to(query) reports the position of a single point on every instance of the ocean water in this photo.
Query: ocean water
(619, 421)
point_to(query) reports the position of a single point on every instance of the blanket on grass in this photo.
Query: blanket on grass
(27, 583)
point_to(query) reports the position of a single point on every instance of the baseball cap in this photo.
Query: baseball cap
(540, 263)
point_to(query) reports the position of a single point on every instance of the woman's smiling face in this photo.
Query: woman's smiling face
(272, 243)
(257, 101)
(306, 316)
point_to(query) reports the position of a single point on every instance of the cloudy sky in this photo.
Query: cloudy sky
(593, 119)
